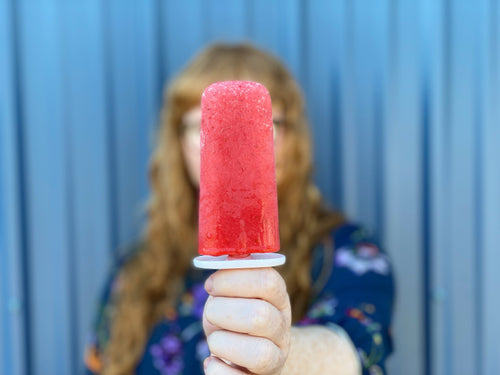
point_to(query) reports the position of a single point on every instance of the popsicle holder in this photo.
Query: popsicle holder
(257, 260)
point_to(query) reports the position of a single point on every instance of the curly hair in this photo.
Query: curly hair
(149, 283)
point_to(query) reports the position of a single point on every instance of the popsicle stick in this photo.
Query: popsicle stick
(257, 260)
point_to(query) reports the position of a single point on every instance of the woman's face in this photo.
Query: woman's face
(190, 139)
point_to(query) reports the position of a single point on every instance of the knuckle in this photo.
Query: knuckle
(284, 326)
(271, 282)
(261, 317)
(266, 359)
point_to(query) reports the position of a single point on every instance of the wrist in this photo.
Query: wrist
(319, 349)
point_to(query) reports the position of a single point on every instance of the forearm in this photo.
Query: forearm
(316, 350)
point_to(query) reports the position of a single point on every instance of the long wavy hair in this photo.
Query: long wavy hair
(150, 282)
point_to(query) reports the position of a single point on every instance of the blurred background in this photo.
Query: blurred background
(404, 98)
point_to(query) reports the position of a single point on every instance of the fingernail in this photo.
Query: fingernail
(205, 363)
(209, 285)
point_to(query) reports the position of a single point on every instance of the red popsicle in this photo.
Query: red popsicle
(238, 212)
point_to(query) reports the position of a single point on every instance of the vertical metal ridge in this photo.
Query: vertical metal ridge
(447, 85)
(393, 34)
(69, 203)
(494, 32)
(379, 160)
(347, 99)
(478, 205)
(6, 338)
(21, 178)
(110, 129)
(478, 234)
(336, 116)
(426, 218)
(161, 47)
(304, 35)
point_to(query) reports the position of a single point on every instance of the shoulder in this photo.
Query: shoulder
(118, 262)
(351, 233)
(351, 259)
(357, 250)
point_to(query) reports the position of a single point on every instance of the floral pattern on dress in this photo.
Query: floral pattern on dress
(178, 344)
(167, 355)
(373, 328)
(323, 308)
(362, 258)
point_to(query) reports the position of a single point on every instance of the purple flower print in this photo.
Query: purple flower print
(167, 355)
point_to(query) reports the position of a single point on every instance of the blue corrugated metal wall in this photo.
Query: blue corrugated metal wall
(404, 97)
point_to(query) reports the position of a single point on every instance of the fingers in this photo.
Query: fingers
(257, 354)
(263, 283)
(208, 327)
(247, 320)
(252, 316)
(214, 366)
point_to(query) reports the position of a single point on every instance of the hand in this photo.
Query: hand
(247, 321)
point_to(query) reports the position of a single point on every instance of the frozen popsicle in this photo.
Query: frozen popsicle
(238, 212)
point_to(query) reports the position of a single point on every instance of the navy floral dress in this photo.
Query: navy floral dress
(352, 293)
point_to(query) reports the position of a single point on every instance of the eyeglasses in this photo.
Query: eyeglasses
(191, 130)
(191, 133)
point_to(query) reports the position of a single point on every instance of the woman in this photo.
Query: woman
(336, 280)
